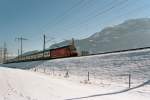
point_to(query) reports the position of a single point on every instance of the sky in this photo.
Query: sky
(62, 19)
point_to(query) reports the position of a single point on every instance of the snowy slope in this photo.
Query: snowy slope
(18, 84)
(114, 67)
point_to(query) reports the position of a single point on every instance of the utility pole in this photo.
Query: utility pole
(18, 54)
(72, 41)
(1, 55)
(44, 41)
(21, 39)
(4, 52)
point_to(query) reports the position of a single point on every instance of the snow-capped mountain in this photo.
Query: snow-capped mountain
(129, 34)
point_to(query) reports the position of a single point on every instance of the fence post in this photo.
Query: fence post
(88, 76)
(53, 71)
(34, 69)
(129, 80)
(44, 70)
(67, 74)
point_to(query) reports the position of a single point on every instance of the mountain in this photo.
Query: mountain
(127, 35)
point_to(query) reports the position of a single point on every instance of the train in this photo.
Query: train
(59, 52)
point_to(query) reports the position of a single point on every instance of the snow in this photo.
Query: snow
(16, 84)
(102, 68)
(108, 78)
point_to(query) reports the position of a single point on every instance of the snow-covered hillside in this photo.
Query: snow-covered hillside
(102, 68)
(67, 78)
(18, 84)
(114, 67)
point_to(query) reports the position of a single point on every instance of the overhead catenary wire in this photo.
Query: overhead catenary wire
(102, 12)
(110, 6)
(63, 15)
(80, 8)
(95, 10)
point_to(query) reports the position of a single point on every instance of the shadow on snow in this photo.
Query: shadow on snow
(111, 93)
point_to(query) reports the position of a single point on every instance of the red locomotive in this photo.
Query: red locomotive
(66, 51)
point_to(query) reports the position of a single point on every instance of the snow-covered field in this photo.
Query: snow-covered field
(108, 76)
(102, 68)
(16, 84)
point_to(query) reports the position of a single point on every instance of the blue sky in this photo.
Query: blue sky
(62, 19)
